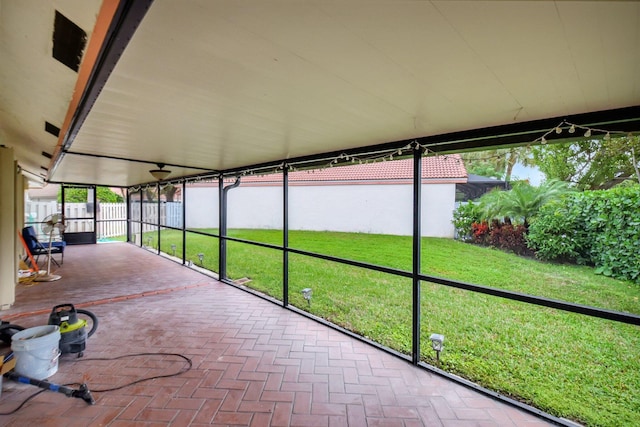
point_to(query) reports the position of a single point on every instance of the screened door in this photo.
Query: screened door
(79, 207)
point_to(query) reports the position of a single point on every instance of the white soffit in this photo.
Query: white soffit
(34, 87)
(225, 84)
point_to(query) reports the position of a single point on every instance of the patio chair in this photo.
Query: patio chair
(38, 248)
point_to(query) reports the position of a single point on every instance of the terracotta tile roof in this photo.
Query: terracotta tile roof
(448, 168)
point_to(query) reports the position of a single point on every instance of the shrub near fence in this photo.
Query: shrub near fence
(601, 228)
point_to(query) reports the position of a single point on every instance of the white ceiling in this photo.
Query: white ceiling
(34, 87)
(225, 84)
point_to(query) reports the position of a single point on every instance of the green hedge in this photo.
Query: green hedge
(600, 228)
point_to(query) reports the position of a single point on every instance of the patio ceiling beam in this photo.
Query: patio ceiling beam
(149, 162)
(617, 120)
(517, 134)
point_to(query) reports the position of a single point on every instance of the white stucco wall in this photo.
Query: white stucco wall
(255, 207)
(380, 209)
(201, 206)
(438, 204)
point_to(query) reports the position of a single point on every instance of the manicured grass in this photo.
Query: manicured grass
(573, 366)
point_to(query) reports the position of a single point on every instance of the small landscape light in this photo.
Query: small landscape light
(437, 341)
(201, 257)
(306, 293)
(149, 240)
(173, 249)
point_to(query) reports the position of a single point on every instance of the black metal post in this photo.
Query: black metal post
(95, 213)
(63, 202)
(129, 215)
(141, 217)
(417, 240)
(222, 224)
(184, 221)
(158, 219)
(285, 236)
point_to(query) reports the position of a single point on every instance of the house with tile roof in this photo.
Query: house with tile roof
(442, 168)
(365, 198)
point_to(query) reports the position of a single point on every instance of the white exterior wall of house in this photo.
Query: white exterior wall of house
(380, 209)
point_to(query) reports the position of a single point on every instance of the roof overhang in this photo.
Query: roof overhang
(225, 85)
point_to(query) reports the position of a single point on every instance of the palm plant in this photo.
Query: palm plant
(522, 202)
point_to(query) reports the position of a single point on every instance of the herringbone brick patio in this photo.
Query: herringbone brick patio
(254, 363)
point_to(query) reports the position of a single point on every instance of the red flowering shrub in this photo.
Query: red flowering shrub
(480, 232)
(501, 235)
(510, 238)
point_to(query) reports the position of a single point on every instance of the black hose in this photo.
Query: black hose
(94, 320)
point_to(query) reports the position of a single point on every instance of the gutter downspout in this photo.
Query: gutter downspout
(222, 247)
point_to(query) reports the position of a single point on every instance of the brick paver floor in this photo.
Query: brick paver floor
(254, 362)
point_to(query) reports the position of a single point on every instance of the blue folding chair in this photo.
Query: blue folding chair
(37, 248)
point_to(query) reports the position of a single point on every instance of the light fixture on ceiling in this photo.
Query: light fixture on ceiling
(160, 173)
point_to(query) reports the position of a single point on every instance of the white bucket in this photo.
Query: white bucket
(37, 351)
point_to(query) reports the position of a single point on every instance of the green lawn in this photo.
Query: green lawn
(573, 366)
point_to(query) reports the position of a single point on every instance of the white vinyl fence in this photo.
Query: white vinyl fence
(170, 213)
(112, 219)
(36, 212)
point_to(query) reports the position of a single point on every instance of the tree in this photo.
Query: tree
(79, 195)
(520, 203)
(73, 195)
(105, 195)
(591, 164)
(497, 163)
(515, 155)
(169, 192)
(484, 163)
